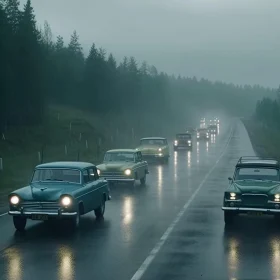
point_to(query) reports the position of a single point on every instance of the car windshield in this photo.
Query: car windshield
(57, 175)
(270, 174)
(119, 156)
(183, 136)
(156, 142)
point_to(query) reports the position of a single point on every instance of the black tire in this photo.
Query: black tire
(19, 223)
(228, 218)
(99, 212)
(143, 180)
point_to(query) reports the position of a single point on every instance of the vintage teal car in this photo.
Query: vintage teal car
(60, 190)
(154, 148)
(254, 189)
(123, 165)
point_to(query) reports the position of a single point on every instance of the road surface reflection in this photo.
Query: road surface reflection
(14, 257)
(66, 263)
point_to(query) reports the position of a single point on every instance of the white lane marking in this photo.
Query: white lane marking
(147, 262)
(4, 214)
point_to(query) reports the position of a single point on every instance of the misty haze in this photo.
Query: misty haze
(139, 140)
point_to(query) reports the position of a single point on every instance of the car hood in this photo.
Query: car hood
(256, 187)
(115, 166)
(50, 191)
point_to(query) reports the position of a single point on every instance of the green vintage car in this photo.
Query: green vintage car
(60, 190)
(154, 148)
(123, 165)
(254, 189)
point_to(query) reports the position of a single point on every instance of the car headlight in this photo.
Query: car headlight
(98, 172)
(160, 149)
(197, 135)
(66, 201)
(277, 197)
(175, 142)
(232, 196)
(160, 154)
(189, 141)
(14, 200)
(127, 172)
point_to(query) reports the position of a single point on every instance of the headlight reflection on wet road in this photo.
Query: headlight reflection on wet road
(233, 257)
(275, 258)
(14, 264)
(66, 263)
(213, 139)
(207, 146)
(175, 166)
(127, 210)
(189, 158)
(197, 152)
(159, 185)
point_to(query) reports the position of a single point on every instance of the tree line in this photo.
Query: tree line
(268, 112)
(37, 69)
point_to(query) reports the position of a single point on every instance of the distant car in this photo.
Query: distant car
(60, 190)
(202, 134)
(183, 140)
(202, 123)
(123, 165)
(253, 190)
(154, 148)
(213, 129)
(190, 130)
(216, 121)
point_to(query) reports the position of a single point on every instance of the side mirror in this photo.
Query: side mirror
(230, 179)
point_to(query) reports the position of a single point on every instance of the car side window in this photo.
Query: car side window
(93, 175)
(86, 176)
(139, 156)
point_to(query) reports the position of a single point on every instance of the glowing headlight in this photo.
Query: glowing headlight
(160, 149)
(66, 201)
(160, 154)
(175, 142)
(127, 172)
(197, 135)
(277, 197)
(14, 200)
(98, 171)
(233, 196)
(189, 141)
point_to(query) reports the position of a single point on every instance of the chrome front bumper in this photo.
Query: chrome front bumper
(52, 214)
(242, 209)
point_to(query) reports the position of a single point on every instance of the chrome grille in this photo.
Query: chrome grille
(113, 175)
(254, 200)
(36, 205)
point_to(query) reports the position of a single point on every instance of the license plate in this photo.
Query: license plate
(254, 213)
(40, 217)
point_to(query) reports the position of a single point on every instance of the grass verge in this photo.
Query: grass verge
(265, 140)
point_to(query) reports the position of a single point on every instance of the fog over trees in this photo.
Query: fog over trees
(37, 69)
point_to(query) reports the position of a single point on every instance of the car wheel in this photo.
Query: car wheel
(19, 223)
(228, 218)
(99, 212)
(143, 180)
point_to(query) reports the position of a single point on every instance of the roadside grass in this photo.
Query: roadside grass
(265, 140)
(66, 135)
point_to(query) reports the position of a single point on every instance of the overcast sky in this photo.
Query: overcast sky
(229, 40)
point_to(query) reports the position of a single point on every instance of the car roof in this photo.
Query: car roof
(153, 138)
(66, 164)
(184, 133)
(257, 161)
(122, 150)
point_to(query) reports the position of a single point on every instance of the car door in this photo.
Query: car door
(140, 165)
(98, 187)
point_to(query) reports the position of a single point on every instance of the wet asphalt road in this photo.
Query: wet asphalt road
(177, 215)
